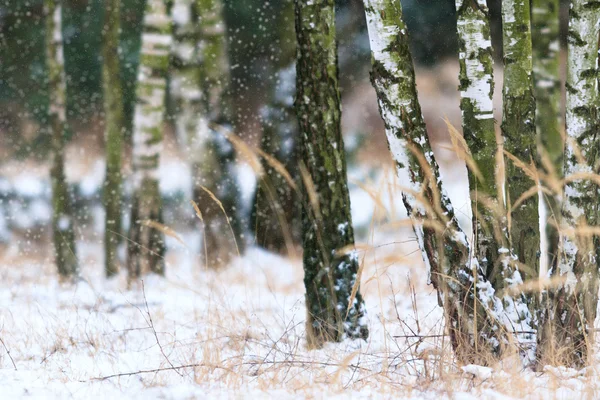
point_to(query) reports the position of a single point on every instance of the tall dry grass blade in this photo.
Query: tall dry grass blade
(162, 228)
(279, 167)
(241, 147)
(531, 192)
(460, 147)
(199, 215)
(218, 202)
(310, 190)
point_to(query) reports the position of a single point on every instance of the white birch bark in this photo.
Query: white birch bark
(146, 248)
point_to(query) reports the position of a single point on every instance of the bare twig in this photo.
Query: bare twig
(8, 352)
(151, 323)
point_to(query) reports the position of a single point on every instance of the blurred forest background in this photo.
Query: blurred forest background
(261, 40)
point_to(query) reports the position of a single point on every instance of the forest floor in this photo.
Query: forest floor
(239, 332)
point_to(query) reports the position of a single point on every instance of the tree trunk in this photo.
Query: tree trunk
(62, 217)
(214, 173)
(329, 275)
(463, 290)
(184, 72)
(146, 246)
(518, 129)
(276, 208)
(546, 47)
(114, 124)
(476, 90)
(547, 89)
(567, 332)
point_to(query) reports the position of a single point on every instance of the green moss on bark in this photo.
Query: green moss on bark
(566, 333)
(62, 213)
(114, 129)
(329, 276)
(463, 290)
(146, 248)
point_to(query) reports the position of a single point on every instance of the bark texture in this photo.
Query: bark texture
(62, 213)
(146, 245)
(546, 48)
(476, 90)
(518, 129)
(329, 276)
(215, 170)
(545, 18)
(114, 129)
(184, 74)
(567, 334)
(276, 209)
(463, 290)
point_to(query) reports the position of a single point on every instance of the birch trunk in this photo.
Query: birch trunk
(476, 90)
(62, 213)
(547, 89)
(518, 129)
(567, 334)
(463, 290)
(215, 170)
(546, 48)
(329, 276)
(146, 245)
(276, 209)
(185, 67)
(114, 128)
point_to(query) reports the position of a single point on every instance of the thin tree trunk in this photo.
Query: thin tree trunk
(463, 290)
(518, 129)
(214, 174)
(184, 72)
(114, 128)
(329, 276)
(520, 140)
(276, 208)
(476, 90)
(546, 47)
(146, 245)
(62, 217)
(545, 26)
(567, 334)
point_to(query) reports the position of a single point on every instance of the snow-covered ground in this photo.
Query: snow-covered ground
(237, 332)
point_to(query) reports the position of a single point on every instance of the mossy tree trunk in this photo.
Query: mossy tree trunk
(62, 217)
(114, 129)
(567, 333)
(184, 75)
(276, 208)
(518, 130)
(476, 90)
(545, 17)
(546, 47)
(329, 275)
(146, 245)
(215, 170)
(463, 290)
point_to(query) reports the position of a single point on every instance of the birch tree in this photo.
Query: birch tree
(215, 188)
(547, 90)
(62, 213)
(546, 47)
(335, 311)
(519, 134)
(113, 130)
(464, 292)
(146, 245)
(276, 208)
(184, 74)
(567, 329)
